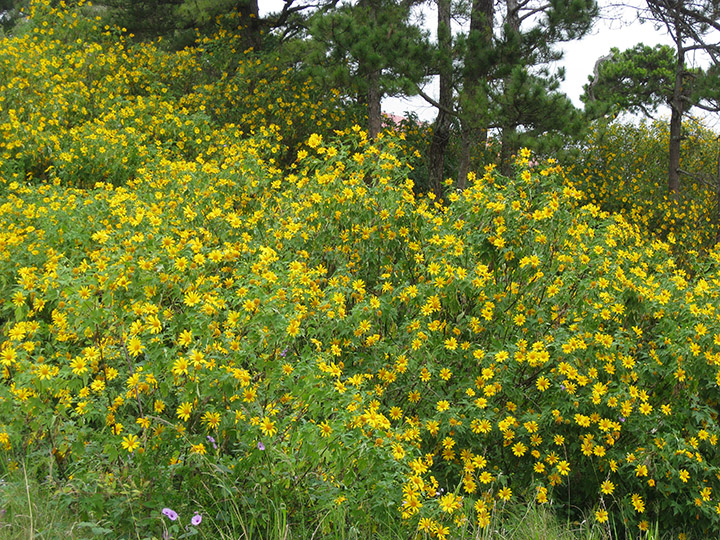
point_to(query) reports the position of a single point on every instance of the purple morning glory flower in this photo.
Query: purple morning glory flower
(261, 446)
(171, 514)
(196, 519)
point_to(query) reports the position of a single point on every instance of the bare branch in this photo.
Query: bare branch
(531, 12)
(698, 16)
(708, 108)
(697, 177)
(288, 10)
(434, 102)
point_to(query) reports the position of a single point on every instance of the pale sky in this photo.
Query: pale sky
(579, 60)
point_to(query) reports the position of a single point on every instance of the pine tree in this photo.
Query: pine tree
(637, 80)
(508, 85)
(371, 49)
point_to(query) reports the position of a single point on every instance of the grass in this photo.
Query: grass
(32, 510)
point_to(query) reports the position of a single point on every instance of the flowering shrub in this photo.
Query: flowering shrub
(86, 104)
(623, 168)
(216, 331)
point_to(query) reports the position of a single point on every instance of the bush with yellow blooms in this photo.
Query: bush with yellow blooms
(206, 323)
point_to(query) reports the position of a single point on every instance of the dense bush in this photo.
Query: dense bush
(217, 330)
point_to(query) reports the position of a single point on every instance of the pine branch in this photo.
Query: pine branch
(698, 16)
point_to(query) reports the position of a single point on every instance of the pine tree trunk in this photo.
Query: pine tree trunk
(677, 110)
(372, 78)
(677, 107)
(474, 107)
(473, 141)
(464, 164)
(436, 155)
(250, 21)
(674, 154)
(717, 197)
(441, 133)
(506, 151)
(513, 15)
(508, 132)
(374, 97)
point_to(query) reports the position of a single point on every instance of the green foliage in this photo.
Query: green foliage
(177, 22)
(289, 338)
(98, 110)
(11, 11)
(372, 36)
(145, 18)
(638, 80)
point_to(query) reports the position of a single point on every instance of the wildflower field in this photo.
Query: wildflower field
(222, 305)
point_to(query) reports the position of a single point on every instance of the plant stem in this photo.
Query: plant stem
(27, 491)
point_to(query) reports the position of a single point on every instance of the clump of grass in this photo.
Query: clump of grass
(533, 522)
(539, 524)
(34, 510)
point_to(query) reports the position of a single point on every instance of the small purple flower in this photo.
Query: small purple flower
(210, 438)
(261, 446)
(196, 519)
(284, 352)
(171, 514)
